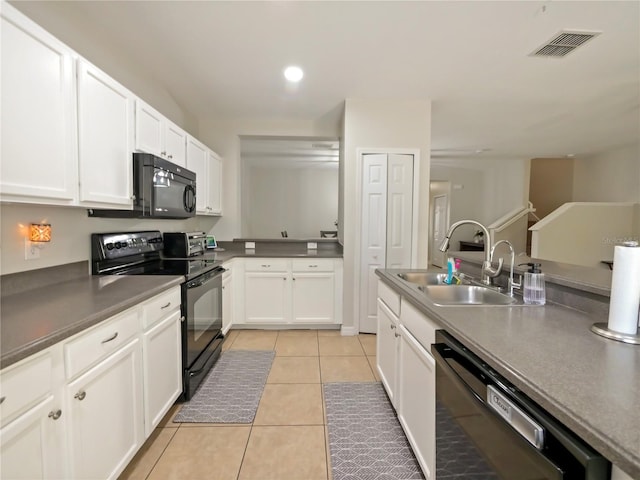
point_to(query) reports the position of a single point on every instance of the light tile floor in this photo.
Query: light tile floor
(288, 439)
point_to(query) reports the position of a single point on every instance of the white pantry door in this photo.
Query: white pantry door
(387, 212)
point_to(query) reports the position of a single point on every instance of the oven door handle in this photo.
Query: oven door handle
(212, 275)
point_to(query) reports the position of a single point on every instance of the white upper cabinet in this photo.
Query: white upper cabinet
(175, 140)
(39, 152)
(215, 184)
(105, 138)
(208, 168)
(198, 162)
(158, 135)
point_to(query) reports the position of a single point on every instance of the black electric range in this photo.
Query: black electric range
(140, 253)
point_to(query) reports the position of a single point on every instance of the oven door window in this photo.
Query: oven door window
(204, 315)
(172, 193)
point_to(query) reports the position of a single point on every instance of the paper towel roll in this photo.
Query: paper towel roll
(625, 289)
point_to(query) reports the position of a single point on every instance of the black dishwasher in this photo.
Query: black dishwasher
(488, 429)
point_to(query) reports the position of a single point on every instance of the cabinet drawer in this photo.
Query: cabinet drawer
(97, 343)
(266, 265)
(312, 265)
(160, 306)
(389, 297)
(21, 386)
(419, 325)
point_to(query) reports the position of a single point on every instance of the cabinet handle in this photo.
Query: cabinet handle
(396, 334)
(80, 395)
(265, 266)
(163, 153)
(313, 266)
(294, 279)
(392, 327)
(111, 338)
(55, 415)
(182, 319)
(166, 306)
(170, 156)
(2, 399)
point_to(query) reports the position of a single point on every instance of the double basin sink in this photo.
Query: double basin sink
(433, 285)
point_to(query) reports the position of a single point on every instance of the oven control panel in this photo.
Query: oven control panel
(107, 246)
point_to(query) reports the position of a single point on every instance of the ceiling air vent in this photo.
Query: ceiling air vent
(563, 43)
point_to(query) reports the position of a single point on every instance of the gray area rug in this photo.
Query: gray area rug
(366, 441)
(231, 391)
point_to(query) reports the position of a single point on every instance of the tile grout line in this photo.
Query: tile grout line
(161, 453)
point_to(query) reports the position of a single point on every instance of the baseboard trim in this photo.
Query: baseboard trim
(348, 331)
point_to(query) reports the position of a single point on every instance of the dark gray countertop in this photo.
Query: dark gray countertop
(38, 318)
(589, 383)
(273, 248)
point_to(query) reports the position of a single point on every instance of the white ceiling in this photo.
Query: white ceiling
(225, 59)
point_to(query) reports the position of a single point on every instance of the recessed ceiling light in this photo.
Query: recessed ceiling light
(293, 74)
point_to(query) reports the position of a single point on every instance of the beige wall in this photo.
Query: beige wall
(223, 136)
(301, 201)
(71, 231)
(610, 177)
(551, 184)
(382, 124)
(584, 233)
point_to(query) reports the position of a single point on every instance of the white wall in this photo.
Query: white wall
(482, 189)
(223, 136)
(379, 124)
(71, 230)
(301, 201)
(610, 177)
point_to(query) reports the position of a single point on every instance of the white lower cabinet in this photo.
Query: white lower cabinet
(228, 301)
(82, 408)
(30, 445)
(407, 371)
(416, 400)
(105, 415)
(388, 345)
(162, 362)
(280, 291)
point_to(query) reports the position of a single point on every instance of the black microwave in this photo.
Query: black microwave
(161, 189)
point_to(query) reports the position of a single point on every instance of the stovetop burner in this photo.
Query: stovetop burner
(138, 253)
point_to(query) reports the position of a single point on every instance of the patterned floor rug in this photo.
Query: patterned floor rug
(366, 442)
(231, 391)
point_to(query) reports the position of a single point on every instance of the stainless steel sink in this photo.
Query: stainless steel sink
(424, 278)
(458, 295)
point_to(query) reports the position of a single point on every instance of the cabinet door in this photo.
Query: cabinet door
(387, 350)
(30, 446)
(313, 297)
(417, 400)
(266, 297)
(197, 162)
(105, 415)
(105, 123)
(149, 129)
(175, 144)
(215, 184)
(162, 363)
(227, 302)
(37, 118)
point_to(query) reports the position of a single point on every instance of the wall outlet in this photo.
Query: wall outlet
(312, 245)
(250, 245)
(31, 252)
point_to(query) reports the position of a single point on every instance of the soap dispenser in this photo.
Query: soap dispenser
(533, 285)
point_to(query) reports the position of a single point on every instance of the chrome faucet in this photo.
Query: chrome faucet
(512, 284)
(488, 272)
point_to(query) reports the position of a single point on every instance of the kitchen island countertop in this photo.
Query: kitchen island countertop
(589, 383)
